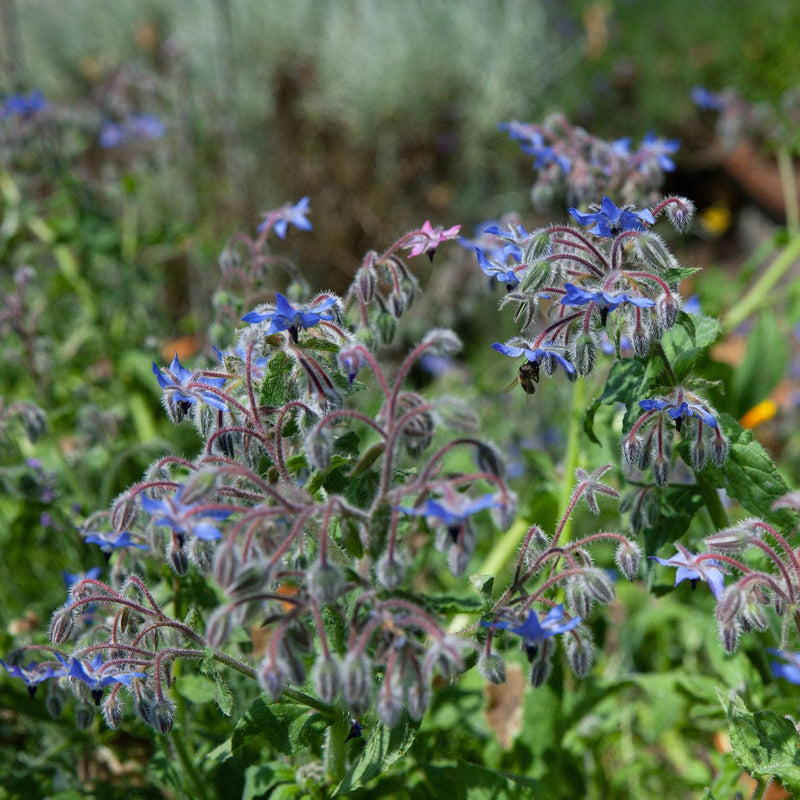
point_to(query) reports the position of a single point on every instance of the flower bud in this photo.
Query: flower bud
(730, 604)
(163, 715)
(386, 325)
(326, 677)
(124, 512)
(390, 570)
(542, 664)
(226, 564)
(661, 470)
(177, 558)
(492, 667)
(218, 629)
(272, 676)
(667, 307)
(599, 585)
(389, 703)
(488, 459)
(730, 541)
(627, 557)
(680, 213)
(580, 652)
(365, 282)
(54, 704)
(578, 598)
(419, 698)
(698, 455)
(112, 711)
(456, 414)
(754, 615)
(719, 449)
(325, 582)
(357, 682)
(84, 716)
(61, 626)
(442, 342)
(319, 448)
(584, 353)
(729, 635)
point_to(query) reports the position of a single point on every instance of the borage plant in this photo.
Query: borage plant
(298, 549)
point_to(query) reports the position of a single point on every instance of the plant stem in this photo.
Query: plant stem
(193, 777)
(758, 295)
(572, 452)
(712, 502)
(335, 737)
(789, 185)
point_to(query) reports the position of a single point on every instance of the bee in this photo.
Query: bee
(527, 377)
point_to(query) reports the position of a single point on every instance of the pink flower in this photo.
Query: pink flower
(428, 238)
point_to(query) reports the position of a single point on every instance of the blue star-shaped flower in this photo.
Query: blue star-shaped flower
(185, 519)
(658, 149)
(689, 568)
(93, 674)
(286, 317)
(113, 540)
(34, 673)
(452, 512)
(289, 214)
(498, 270)
(611, 221)
(789, 671)
(533, 630)
(576, 296)
(182, 389)
(536, 356)
(23, 105)
(679, 410)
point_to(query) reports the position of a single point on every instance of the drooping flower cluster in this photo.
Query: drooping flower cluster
(576, 167)
(306, 512)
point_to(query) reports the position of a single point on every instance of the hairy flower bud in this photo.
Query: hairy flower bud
(177, 558)
(580, 652)
(418, 698)
(365, 283)
(492, 667)
(680, 212)
(729, 541)
(754, 615)
(442, 342)
(584, 353)
(319, 447)
(163, 715)
(632, 447)
(390, 570)
(61, 626)
(54, 704)
(326, 677)
(599, 585)
(387, 326)
(124, 512)
(357, 681)
(578, 597)
(226, 564)
(389, 702)
(627, 557)
(729, 633)
(84, 716)
(661, 470)
(698, 455)
(488, 459)
(273, 676)
(719, 449)
(730, 604)
(218, 629)
(542, 664)
(325, 582)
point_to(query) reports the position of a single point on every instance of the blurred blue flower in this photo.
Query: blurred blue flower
(111, 135)
(294, 214)
(287, 317)
(113, 540)
(707, 99)
(183, 389)
(34, 673)
(610, 221)
(21, 105)
(789, 671)
(690, 568)
(135, 127)
(539, 355)
(71, 579)
(185, 519)
(454, 511)
(658, 149)
(533, 630)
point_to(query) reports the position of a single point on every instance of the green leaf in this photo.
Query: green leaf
(221, 693)
(384, 748)
(624, 385)
(749, 475)
(764, 365)
(266, 725)
(764, 743)
(195, 688)
(462, 781)
(275, 386)
(688, 340)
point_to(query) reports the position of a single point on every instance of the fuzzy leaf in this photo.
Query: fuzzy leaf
(275, 386)
(266, 725)
(463, 781)
(764, 743)
(384, 748)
